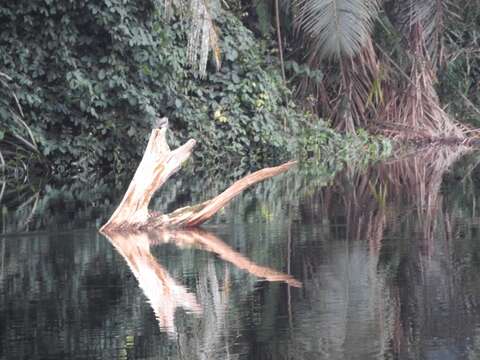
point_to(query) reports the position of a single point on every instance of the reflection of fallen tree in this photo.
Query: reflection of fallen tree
(207, 241)
(163, 292)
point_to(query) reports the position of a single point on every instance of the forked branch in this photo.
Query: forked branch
(157, 165)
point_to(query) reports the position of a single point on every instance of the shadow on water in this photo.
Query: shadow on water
(387, 257)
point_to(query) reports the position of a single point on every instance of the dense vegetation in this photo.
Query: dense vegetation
(82, 82)
(91, 77)
(398, 67)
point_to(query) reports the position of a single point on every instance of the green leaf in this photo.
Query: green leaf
(336, 27)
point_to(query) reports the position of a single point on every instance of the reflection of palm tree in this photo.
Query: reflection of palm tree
(370, 196)
(415, 180)
(22, 200)
(163, 292)
(387, 201)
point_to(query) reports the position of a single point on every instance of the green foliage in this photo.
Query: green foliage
(303, 70)
(237, 111)
(81, 67)
(18, 147)
(320, 148)
(264, 15)
(93, 75)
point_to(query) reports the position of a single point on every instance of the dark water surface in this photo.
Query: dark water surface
(383, 263)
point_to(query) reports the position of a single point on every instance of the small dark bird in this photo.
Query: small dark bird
(160, 123)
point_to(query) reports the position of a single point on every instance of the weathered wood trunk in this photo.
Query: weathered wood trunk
(157, 165)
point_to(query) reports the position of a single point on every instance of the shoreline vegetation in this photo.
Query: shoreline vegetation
(82, 83)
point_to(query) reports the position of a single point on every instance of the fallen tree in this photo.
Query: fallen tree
(157, 165)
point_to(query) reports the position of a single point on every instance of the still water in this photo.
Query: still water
(380, 262)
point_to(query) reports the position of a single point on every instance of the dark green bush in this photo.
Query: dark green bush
(93, 75)
(18, 150)
(320, 149)
(79, 66)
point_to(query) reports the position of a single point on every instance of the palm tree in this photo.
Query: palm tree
(414, 103)
(364, 85)
(339, 40)
(337, 37)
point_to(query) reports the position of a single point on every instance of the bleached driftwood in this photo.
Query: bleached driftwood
(157, 165)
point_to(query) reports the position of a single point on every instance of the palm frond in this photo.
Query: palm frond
(430, 17)
(413, 109)
(359, 76)
(17, 140)
(335, 28)
(349, 92)
(201, 30)
(202, 33)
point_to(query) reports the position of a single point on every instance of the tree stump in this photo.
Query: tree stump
(157, 165)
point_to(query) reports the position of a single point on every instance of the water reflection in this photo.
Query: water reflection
(388, 258)
(162, 291)
(396, 275)
(164, 294)
(391, 191)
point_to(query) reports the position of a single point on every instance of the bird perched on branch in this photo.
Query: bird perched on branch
(160, 123)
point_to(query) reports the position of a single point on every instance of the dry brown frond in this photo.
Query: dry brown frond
(412, 110)
(360, 75)
(345, 96)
